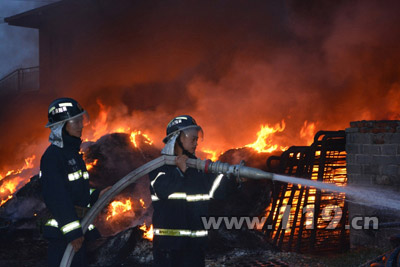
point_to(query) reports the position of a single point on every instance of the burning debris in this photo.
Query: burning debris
(115, 155)
(111, 158)
(13, 180)
(295, 211)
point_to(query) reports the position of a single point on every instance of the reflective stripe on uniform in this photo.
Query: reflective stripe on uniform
(92, 190)
(75, 175)
(154, 198)
(176, 232)
(85, 175)
(40, 174)
(70, 227)
(188, 198)
(155, 179)
(215, 185)
(177, 196)
(152, 185)
(52, 222)
(199, 197)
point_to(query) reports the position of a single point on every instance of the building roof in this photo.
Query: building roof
(34, 17)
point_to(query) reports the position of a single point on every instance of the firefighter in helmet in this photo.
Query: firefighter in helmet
(180, 198)
(65, 182)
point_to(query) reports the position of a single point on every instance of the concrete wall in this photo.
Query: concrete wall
(373, 161)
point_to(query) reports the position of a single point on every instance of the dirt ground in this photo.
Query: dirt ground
(31, 252)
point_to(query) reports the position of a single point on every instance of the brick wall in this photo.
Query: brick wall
(373, 160)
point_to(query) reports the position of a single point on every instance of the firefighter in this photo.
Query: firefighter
(180, 198)
(65, 182)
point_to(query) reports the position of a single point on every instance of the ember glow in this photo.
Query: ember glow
(142, 203)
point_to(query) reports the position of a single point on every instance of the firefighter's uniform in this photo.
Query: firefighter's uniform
(65, 181)
(179, 202)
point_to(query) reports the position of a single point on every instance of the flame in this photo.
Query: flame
(100, 127)
(135, 133)
(148, 232)
(142, 203)
(8, 188)
(118, 207)
(89, 166)
(213, 154)
(307, 132)
(28, 165)
(5, 200)
(263, 142)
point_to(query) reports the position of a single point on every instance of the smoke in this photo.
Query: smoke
(233, 65)
(18, 46)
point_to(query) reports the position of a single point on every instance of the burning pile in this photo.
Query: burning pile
(13, 180)
(267, 141)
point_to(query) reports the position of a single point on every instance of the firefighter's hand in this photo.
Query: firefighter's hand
(181, 162)
(77, 243)
(104, 190)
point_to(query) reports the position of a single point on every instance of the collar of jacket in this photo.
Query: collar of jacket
(71, 142)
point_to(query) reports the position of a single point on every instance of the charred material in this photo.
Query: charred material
(301, 207)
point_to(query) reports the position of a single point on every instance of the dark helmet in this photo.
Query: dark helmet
(63, 109)
(180, 123)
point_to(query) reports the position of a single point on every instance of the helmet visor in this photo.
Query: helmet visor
(81, 119)
(193, 133)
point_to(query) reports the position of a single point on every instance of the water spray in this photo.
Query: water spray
(207, 166)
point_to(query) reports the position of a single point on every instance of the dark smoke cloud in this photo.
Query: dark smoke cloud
(234, 65)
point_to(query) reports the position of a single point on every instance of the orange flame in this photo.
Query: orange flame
(89, 166)
(28, 165)
(136, 133)
(148, 232)
(118, 207)
(213, 154)
(5, 200)
(142, 203)
(8, 188)
(263, 142)
(308, 131)
(100, 127)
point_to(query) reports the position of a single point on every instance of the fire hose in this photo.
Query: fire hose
(206, 166)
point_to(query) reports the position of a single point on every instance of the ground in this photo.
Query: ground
(27, 252)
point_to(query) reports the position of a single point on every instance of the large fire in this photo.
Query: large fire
(105, 123)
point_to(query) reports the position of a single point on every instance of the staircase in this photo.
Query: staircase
(20, 81)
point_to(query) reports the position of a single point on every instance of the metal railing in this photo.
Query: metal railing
(20, 80)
